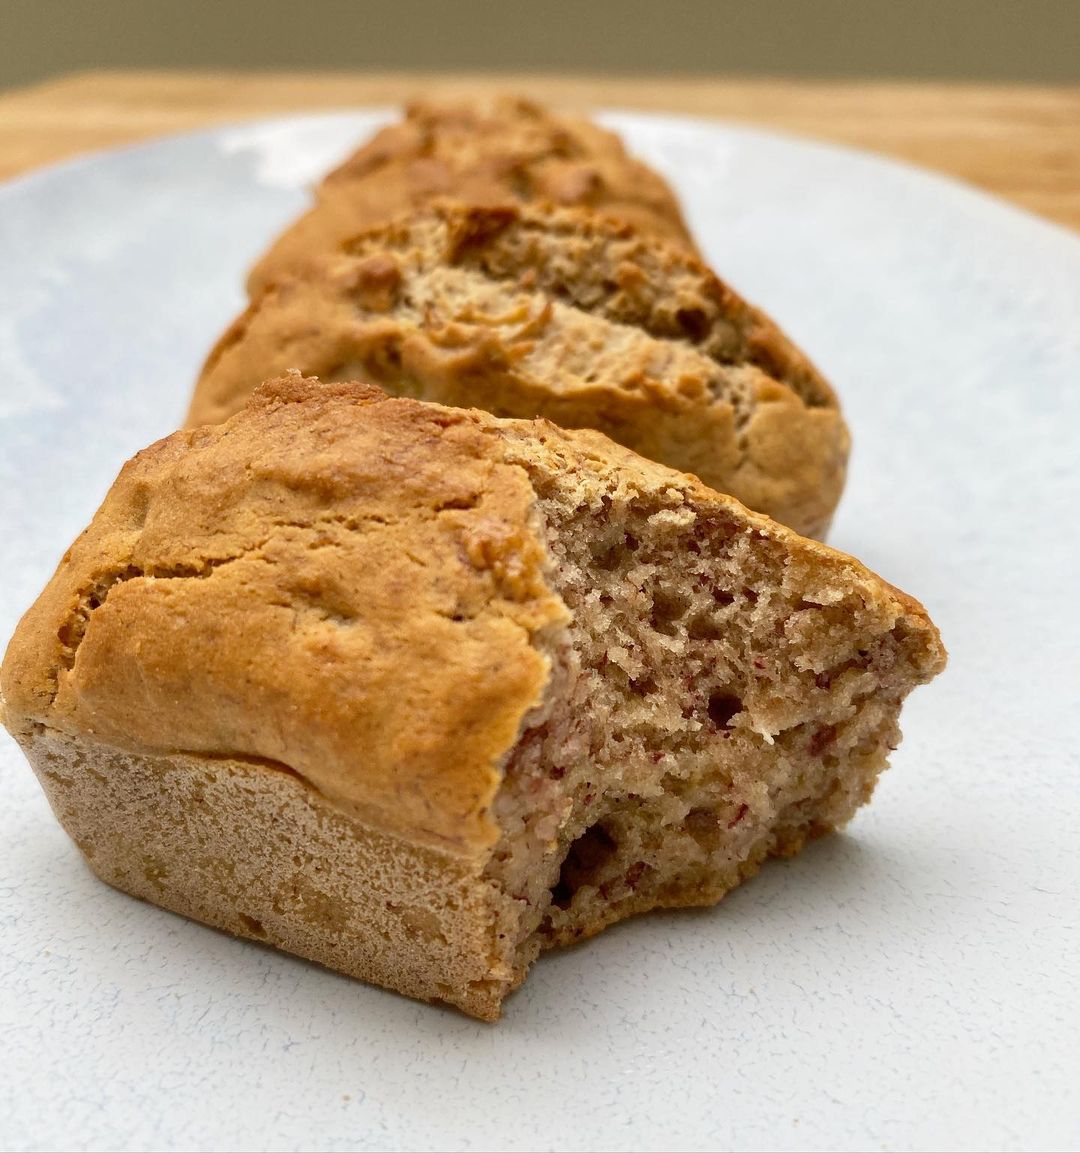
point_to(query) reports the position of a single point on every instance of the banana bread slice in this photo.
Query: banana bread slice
(525, 313)
(482, 152)
(416, 692)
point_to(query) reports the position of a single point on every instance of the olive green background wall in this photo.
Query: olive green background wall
(1010, 40)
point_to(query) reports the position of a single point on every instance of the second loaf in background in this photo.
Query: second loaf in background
(560, 313)
(480, 152)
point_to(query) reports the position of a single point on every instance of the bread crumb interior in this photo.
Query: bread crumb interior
(704, 714)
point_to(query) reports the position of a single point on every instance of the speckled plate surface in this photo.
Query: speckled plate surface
(913, 983)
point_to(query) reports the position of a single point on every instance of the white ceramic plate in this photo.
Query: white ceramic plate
(911, 983)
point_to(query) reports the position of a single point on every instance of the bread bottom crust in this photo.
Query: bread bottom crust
(248, 847)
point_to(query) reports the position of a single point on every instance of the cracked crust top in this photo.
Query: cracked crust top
(357, 599)
(532, 312)
(481, 152)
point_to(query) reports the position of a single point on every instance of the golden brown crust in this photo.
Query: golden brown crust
(504, 151)
(282, 563)
(533, 312)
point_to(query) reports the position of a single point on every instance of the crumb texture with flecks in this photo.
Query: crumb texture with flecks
(529, 312)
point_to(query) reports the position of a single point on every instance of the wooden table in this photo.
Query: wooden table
(1021, 143)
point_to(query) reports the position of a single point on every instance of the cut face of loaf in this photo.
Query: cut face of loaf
(416, 692)
(494, 152)
(563, 315)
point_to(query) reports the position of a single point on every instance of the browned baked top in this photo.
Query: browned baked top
(480, 152)
(558, 313)
(352, 588)
(342, 586)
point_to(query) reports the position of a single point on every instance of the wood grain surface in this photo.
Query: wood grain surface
(1020, 143)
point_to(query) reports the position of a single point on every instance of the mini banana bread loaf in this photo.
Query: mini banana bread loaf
(525, 313)
(482, 153)
(416, 692)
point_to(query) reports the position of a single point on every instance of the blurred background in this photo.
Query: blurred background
(1036, 41)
